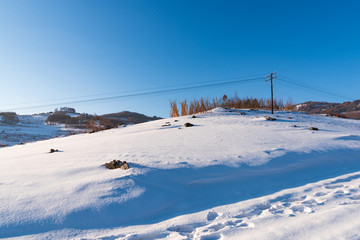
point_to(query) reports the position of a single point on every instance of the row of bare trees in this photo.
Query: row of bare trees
(91, 122)
(10, 118)
(206, 104)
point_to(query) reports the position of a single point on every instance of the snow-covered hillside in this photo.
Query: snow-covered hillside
(29, 129)
(230, 176)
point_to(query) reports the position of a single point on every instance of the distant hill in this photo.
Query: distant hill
(345, 109)
(95, 122)
(130, 117)
(16, 129)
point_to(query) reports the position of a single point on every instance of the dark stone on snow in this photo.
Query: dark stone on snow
(270, 118)
(117, 164)
(188, 124)
(314, 128)
(53, 150)
(193, 116)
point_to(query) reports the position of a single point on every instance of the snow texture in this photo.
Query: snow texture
(230, 176)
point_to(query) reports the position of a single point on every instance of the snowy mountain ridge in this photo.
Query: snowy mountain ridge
(229, 176)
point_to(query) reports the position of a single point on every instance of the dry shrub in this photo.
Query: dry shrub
(215, 103)
(206, 104)
(174, 112)
(191, 108)
(289, 105)
(202, 105)
(184, 108)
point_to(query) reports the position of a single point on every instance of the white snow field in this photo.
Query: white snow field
(230, 176)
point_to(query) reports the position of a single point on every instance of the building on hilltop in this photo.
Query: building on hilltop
(65, 109)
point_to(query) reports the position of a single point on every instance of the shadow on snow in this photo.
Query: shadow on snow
(174, 192)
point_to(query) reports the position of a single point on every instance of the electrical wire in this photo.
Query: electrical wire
(134, 91)
(313, 88)
(182, 87)
(143, 93)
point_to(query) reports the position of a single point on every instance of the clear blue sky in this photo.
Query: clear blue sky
(59, 51)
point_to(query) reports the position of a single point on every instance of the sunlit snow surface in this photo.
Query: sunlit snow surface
(231, 176)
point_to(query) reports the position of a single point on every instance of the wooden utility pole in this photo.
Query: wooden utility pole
(270, 78)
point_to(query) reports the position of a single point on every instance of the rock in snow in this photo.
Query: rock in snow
(53, 150)
(117, 164)
(270, 118)
(188, 125)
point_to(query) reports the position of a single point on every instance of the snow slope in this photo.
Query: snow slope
(229, 176)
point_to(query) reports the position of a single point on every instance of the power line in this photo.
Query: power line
(182, 87)
(301, 89)
(143, 93)
(316, 89)
(133, 91)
